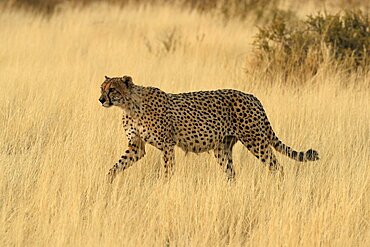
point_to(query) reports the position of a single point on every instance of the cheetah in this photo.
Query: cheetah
(196, 122)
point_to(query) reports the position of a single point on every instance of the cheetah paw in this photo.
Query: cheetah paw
(111, 175)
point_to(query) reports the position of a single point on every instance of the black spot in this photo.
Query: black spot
(277, 144)
(301, 155)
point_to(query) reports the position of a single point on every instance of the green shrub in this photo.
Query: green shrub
(300, 48)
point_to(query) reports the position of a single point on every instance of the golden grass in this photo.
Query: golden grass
(57, 143)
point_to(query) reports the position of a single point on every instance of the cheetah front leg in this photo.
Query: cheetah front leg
(168, 154)
(135, 151)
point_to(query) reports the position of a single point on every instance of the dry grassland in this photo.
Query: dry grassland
(57, 143)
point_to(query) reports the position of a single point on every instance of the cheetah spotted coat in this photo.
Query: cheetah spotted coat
(195, 122)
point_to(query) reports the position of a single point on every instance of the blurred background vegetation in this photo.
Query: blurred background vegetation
(229, 8)
(299, 48)
(286, 44)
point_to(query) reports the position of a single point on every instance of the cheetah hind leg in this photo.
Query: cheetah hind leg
(265, 154)
(223, 154)
(168, 155)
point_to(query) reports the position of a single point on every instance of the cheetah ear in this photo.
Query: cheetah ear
(127, 80)
(106, 77)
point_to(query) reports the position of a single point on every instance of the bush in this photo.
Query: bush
(300, 48)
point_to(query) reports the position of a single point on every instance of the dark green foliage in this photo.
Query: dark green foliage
(303, 46)
(349, 35)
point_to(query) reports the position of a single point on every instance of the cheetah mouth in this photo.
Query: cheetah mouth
(107, 105)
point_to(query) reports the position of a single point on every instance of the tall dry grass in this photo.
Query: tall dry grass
(57, 143)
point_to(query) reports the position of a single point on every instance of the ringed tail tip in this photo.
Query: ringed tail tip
(312, 155)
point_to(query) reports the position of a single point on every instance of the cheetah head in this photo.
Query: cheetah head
(115, 91)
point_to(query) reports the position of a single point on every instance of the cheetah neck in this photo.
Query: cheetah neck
(133, 103)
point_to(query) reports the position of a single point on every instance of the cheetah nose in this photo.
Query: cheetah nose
(102, 100)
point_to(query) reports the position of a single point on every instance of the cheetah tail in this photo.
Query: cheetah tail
(309, 155)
